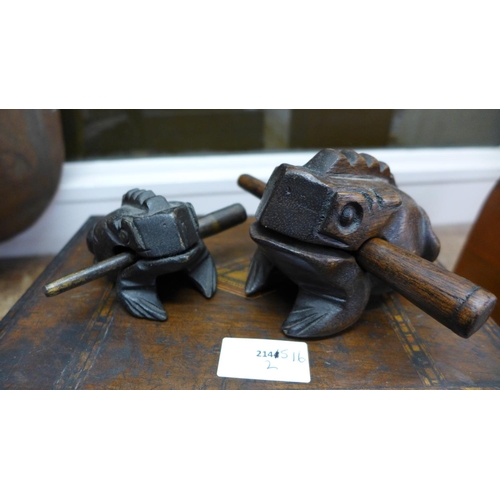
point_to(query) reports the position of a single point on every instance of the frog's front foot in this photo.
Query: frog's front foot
(136, 285)
(259, 272)
(333, 289)
(320, 315)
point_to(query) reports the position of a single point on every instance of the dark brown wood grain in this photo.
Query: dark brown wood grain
(83, 339)
(480, 257)
(454, 301)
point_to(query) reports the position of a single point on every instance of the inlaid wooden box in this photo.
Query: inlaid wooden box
(83, 339)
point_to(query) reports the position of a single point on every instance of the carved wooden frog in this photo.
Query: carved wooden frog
(311, 221)
(165, 238)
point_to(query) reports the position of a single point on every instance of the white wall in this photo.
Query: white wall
(449, 183)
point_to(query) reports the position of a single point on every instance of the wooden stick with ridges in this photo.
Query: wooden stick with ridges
(455, 302)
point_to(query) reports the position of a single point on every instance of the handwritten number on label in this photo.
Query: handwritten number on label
(269, 365)
(296, 356)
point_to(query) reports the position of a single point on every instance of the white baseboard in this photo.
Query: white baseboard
(451, 184)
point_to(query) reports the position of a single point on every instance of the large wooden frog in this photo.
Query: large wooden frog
(165, 238)
(310, 223)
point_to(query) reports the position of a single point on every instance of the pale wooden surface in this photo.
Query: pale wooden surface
(16, 275)
(452, 240)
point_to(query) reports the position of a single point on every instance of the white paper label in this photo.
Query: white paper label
(276, 360)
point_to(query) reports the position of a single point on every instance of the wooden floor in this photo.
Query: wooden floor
(16, 275)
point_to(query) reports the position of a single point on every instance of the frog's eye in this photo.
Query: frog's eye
(124, 237)
(350, 216)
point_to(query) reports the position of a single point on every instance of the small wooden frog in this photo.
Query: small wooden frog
(165, 238)
(148, 237)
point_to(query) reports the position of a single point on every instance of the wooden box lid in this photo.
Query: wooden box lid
(83, 339)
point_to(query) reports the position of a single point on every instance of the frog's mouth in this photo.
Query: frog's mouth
(275, 240)
(271, 235)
